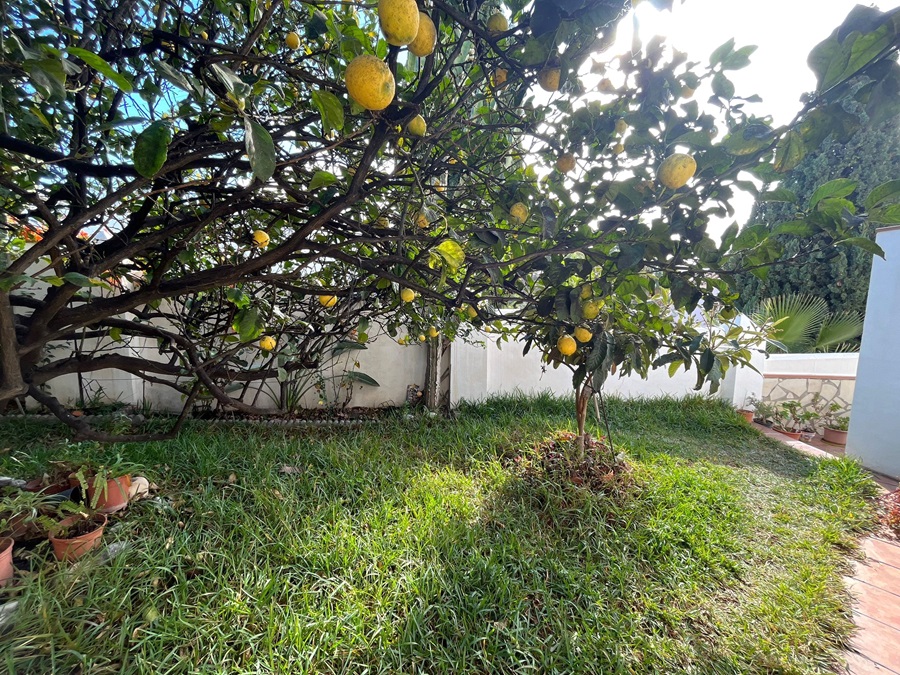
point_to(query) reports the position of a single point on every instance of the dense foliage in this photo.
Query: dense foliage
(187, 178)
(840, 276)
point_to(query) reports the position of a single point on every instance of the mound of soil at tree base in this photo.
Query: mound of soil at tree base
(599, 469)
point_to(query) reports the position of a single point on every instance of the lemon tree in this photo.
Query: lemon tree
(144, 155)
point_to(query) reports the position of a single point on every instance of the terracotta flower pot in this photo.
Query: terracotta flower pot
(114, 497)
(75, 547)
(835, 436)
(747, 415)
(6, 563)
(794, 435)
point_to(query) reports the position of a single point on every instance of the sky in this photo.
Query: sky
(784, 31)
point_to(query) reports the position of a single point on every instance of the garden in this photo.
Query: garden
(226, 205)
(414, 543)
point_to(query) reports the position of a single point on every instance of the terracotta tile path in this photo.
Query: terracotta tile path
(875, 585)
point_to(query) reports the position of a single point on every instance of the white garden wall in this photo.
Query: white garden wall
(875, 424)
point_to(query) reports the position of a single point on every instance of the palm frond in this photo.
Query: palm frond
(797, 319)
(838, 329)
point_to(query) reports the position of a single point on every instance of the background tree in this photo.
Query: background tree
(840, 276)
(198, 176)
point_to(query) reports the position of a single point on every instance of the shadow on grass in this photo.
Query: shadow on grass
(407, 546)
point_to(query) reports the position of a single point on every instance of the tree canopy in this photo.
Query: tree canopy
(840, 276)
(197, 175)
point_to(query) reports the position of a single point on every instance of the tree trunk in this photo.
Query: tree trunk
(582, 397)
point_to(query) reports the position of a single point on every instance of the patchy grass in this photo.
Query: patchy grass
(414, 546)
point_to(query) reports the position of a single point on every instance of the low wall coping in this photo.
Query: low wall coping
(807, 376)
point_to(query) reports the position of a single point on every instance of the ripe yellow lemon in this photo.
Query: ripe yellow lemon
(518, 213)
(687, 92)
(621, 126)
(497, 23)
(204, 35)
(417, 126)
(566, 345)
(582, 334)
(548, 78)
(267, 343)
(327, 300)
(676, 170)
(590, 310)
(401, 341)
(426, 38)
(399, 21)
(499, 77)
(260, 238)
(407, 295)
(618, 149)
(432, 332)
(566, 162)
(370, 82)
(422, 220)
(471, 311)
(292, 40)
(421, 337)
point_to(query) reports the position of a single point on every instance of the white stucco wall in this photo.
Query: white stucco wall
(481, 372)
(875, 423)
(812, 364)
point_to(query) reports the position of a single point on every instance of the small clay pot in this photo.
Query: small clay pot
(114, 497)
(835, 436)
(747, 415)
(75, 547)
(6, 562)
(794, 435)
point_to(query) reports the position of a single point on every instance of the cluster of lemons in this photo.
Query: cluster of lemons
(590, 310)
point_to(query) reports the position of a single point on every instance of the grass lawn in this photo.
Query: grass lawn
(415, 546)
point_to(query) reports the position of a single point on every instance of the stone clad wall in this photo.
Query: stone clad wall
(831, 388)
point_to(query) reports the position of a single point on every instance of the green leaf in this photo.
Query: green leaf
(790, 152)
(321, 179)
(888, 215)
(237, 297)
(630, 256)
(738, 59)
(362, 378)
(330, 108)
(452, 253)
(248, 324)
(722, 86)
(48, 77)
(721, 52)
(864, 243)
(115, 333)
(101, 66)
(260, 149)
(886, 192)
(235, 85)
(77, 279)
(840, 187)
(152, 148)
(796, 228)
(343, 346)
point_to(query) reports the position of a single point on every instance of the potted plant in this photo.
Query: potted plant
(836, 425)
(788, 419)
(24, 515)
(77, 534)
(6, 562)
(748, 412)
(107, 486)
(765, 412)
